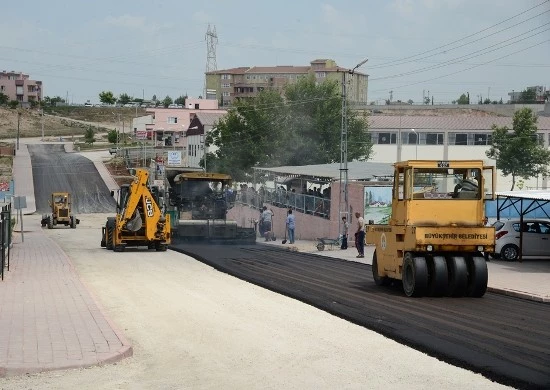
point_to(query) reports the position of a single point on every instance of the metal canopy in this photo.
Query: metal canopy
(533, 199)
(357, 170)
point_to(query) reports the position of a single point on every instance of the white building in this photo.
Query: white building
(201, 124)
(456, 137)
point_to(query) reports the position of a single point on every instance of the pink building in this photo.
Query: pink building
(18, 86)
(168, 125)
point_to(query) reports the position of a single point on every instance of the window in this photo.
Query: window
(387, 138)
(461, 139)
(19, 90)
(226, 85)
(2, 88)
(321, 74)
(412, 138)
(172, 120)
(248, 77)
(226, 77)
(434, 139)
(481, 139)
(226, 94)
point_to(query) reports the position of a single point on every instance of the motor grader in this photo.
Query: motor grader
(436, 237)
(60, 204)
(139, 220)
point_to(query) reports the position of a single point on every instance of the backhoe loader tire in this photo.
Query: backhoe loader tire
(160, 247)
(477, 277)
(458, 276)
(415, 275)
(49, 222)
(379, 280)
(109, 233)
(438, 276)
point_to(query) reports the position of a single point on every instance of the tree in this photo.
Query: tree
(89, 136)
(154, 98)
(427, 100)
(487, 101)
(4, 99)
(49, 101)
(13, 104)
(528, 96)
(410, 101)
(124, 98)
(180, 100)
(167, 101)
(112, 136)
(107, 97)
(463, 99)
(303, 127)
(519, 152)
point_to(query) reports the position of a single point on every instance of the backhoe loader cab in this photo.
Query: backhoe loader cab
(60, 205)
(436, 237)
(140, 220)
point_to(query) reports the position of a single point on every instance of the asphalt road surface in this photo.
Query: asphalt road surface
(506, 339)
(54, 170)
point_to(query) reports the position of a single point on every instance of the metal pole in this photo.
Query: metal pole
(42, 125)
(18, 122)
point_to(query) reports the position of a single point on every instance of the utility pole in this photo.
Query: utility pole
(344, 208)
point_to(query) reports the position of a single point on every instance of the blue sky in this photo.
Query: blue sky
(143, 48)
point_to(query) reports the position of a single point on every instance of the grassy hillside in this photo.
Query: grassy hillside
(62, 121)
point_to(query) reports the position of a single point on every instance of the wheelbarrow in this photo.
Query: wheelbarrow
(323, 242)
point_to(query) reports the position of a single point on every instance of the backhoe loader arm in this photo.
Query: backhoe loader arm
(140, 204)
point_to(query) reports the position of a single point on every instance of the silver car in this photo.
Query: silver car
(536, 238)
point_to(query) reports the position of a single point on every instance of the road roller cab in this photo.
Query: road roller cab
(436, 237)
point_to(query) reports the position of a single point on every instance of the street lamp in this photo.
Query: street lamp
(416, 144)
(344, 144)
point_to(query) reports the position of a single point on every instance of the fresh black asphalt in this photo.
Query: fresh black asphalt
(505, 339)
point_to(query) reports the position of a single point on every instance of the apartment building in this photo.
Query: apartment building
(18, 86)
(228, 85)
(445, 137)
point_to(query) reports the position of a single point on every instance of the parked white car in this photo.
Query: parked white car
(536, 238)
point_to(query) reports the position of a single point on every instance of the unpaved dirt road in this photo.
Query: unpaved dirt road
(193, 327)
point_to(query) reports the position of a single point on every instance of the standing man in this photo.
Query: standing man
(290, 225)
(345, 228)
(267, 216)
(360, 235)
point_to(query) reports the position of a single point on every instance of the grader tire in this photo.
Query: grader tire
(415, 275)
(438, 276)
(72, 223)
(49, 223)
(379, 280)
(477, 277)
(458, 276)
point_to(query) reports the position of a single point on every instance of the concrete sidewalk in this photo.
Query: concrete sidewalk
(529, 279)
(48, 318)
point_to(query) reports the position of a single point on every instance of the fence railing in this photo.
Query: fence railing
(308, 204)
(5, 239)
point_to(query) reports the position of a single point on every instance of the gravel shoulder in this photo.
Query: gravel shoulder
(194, 327)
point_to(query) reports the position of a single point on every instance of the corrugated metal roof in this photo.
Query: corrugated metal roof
(357, 170)
(445, 122)
(209, 118)
(527, 194)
